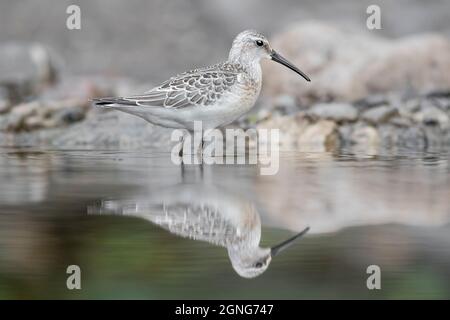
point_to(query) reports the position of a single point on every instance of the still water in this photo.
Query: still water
(139, 227)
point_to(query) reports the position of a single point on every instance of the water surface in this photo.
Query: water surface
(391, 209)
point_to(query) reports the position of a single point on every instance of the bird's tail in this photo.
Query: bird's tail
(111, 101)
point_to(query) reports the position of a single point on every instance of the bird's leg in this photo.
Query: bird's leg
(200, 156)
(201, 170)
(180, 153)
(182, 171)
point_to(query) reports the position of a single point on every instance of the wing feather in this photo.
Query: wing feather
(197, 87)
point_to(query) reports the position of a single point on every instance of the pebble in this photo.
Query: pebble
(5, 106)
(322, 133)
(339, 112)
(379, 114)
(285, 104)
(432, 116)
(372, 101)
(365, 135)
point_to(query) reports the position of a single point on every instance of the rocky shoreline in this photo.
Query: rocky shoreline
(42, 106)
(418, 122)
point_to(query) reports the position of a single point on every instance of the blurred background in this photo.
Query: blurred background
(364, 158)
(152, 40)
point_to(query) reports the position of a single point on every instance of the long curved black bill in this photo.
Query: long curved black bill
(286, 244)
(280, 59)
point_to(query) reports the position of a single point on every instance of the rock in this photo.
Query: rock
(285, 104)
(442, 103)
(69, 115)
(99, 129)
(261, 115)
(365, 135)
(408, 108)
(291, 127)
(110, 129)
(5, 106)
(338, 112)
(388, 134)
(413, 137)
(16, 120)
(38, 114)
(26, 69)
(379, 114)
(11, 122)
(432, 116)
(345, 131)
(434, 136)
(5, 101)
(26, 109)
(399, 121)
(322, 133)
(349, 65)
(33, 122)
(371, 101)
(438, 94)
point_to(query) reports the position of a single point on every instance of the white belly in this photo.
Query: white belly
(230, 107)
(218, 115)
(227, 109)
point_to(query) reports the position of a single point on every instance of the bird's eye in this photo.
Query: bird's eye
(258, 265)
(259, 43)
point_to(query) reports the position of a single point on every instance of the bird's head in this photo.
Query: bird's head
(253, 261)
(250, 46)
(250, 263)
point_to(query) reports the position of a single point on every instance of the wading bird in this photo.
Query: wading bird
(215, 95)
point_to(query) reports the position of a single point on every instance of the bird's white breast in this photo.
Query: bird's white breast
(238, 101)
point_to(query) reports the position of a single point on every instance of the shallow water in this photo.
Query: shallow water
(94, 209)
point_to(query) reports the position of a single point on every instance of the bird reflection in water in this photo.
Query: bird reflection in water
(207, 213)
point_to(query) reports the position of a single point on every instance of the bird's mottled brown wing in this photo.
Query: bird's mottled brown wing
(197, 87)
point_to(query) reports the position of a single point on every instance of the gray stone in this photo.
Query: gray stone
(319, 136)
(5, 106)
(389, 134)
(372, 101)
(69, 115)
(26, 69)
(438, 94)
(437, 137)
(291, 127)
(33, 122)
(408, 108)
(442, 103)
(5, 101)
(400, 121)
(432, 116)
(285, 104)
(365, 135)
(348, 65)
(110, 129)
(345, 131)
(379, 114)
(11, 122)
(412, 137)
(338, 112)
(26, 109)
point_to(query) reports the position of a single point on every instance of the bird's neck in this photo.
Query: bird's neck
(254, 71)
(250, 65)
